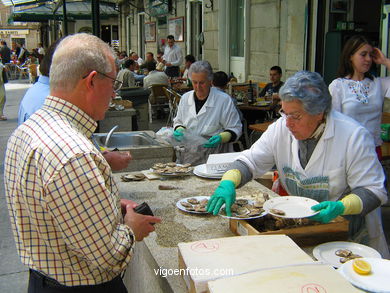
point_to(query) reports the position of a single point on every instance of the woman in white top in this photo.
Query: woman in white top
(356, 92)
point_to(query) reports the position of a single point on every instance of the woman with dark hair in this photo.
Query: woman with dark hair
(356, 92)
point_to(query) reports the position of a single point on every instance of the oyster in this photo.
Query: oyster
(242, 202)
(199, 208)
(204, 202)
(159, 166)
(258, 204)
(277, 212)
(343, 252)
(186, 204)
(193, 201)
(242, 211)
(171, 164)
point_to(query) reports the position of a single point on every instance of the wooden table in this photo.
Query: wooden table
(181, 87)
(260, 127)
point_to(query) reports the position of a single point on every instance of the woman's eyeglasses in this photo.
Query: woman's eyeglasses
(294, 116)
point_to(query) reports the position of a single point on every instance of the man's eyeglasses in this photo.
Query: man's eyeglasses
(117, 84)
(294, 116)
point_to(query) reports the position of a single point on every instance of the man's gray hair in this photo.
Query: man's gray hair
(76, 56)
(309, 88)
(201, 67)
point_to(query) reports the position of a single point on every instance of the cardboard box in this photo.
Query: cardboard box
(219, 163)
(337, 230)
(306, 278)
(207, 260)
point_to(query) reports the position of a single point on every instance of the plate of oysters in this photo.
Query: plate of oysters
(244, 209)
(172, 169)
(194, 205)
(291, 207)
(338, 252)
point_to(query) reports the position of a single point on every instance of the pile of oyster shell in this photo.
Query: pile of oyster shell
(346, 255)
(195, 205)
(171, 168)
(242, 208)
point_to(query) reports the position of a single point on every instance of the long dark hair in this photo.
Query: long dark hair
(353, 44)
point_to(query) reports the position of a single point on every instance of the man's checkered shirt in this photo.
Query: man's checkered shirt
(63, 203)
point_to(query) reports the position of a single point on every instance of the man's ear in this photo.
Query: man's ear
(90, 79)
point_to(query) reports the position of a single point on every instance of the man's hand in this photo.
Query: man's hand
(140, 224)
(124, 203)
(118, 160)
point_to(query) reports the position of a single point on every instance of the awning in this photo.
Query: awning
(74, 10)
(21, 2)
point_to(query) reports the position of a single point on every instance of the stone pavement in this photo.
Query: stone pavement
(14, 275)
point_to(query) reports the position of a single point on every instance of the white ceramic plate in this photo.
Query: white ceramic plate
(201, 171)
(294, 206)
(377, 281)
(238, 218)
(326, 252)
(182, 208)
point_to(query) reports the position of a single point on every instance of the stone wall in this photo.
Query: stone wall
(210, 31)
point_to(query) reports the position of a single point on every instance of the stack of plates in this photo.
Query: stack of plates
(201, 171)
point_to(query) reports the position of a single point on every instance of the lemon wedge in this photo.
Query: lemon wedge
(361, 267)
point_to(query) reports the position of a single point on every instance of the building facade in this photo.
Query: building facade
(247, 37)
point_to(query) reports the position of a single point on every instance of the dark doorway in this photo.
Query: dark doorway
(106, 33)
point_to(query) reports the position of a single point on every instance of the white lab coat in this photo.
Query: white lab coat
(343, 159)
(216, 115)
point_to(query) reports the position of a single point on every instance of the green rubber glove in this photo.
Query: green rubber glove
(213, 142)
(178, 134)
(328, 211)
(224, 194)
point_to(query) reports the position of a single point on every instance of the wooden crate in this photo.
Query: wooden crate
(304, 236)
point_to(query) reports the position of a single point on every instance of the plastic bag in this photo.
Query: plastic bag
(190, 149)
(190, 139)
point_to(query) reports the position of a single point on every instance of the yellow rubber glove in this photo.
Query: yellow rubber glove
(226, 136)
(353, 204)
(233, 175)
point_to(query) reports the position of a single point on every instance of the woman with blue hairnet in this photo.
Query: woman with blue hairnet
(320, 154)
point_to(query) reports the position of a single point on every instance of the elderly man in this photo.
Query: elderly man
(320, 154)
(173, 58)
(207, 113)
(126, 75)
(137, 59)
(71, 228)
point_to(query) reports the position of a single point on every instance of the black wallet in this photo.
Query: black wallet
(143, 209)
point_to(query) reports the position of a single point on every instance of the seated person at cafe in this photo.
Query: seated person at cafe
(220, 82)
(154, 76)
(320, 154)
(206, 118)
(272, 88)
(188, 60)
(126, 75)
(137, 59)
(149, 59)
(160, 64)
